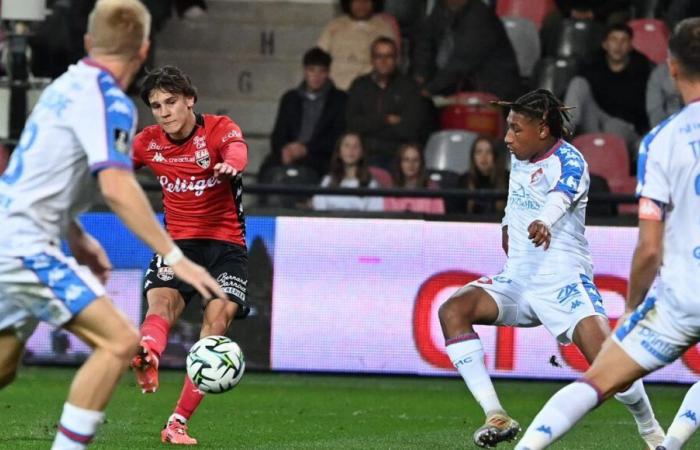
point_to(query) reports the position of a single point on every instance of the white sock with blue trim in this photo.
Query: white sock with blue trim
(686, 421)
(636, 400)
(561, 412)
(467, 355)
(76, 428)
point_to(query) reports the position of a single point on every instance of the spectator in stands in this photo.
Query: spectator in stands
(486, 171)
(609, 94)
(349, 169)
(385, 107)
(681, 9)
(463, 46)
(410, 174)
(310, 119)
(662, 98)
(348, 38)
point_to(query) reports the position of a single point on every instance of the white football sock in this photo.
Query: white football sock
(560, 413)
(176, 416)
(686, 421)
(467, 355)
(636, 400)
(76, 428)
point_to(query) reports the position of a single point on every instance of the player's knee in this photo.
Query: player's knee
(124, 347)
(457, 309)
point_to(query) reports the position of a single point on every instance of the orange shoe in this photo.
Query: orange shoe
(175, 432)
(145, 365)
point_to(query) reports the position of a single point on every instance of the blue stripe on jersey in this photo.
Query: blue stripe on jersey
(593, 294)
(119, 120)
(635, 318)
(572, 165)
(65, 284)
(644, 151)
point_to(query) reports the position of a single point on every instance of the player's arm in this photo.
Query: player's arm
(648, 253)
(234, 152)
(126, 198)
(555, 206)
(88, 251)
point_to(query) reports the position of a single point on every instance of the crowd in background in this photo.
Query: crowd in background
(366, 108)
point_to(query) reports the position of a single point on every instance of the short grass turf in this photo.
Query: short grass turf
(290, 411)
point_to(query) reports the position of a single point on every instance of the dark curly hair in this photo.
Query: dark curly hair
(169, 79)
(542, 105)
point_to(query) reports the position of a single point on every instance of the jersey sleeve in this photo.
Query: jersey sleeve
(105, 127)
(652, 175)
(232, 146)
(139, 150)
(571, 177)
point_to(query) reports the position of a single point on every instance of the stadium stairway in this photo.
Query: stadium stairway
(242, 56)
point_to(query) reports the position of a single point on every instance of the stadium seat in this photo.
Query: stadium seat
(554, 74)
(577, 39)
(447, 179)
(382, 176)
(288, 176)
(534, 10)
(650, 38)
(607, 156)
(473, 111)
(4, 158)
(525, 39)
(449, 150)
(394, 24)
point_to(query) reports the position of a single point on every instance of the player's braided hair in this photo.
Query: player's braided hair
(542, 105)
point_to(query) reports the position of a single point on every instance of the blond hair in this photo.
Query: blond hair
(118, 27)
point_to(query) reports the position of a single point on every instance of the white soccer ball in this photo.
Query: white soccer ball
(215, 364)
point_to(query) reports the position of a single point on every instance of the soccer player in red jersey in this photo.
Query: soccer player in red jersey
(198, 160)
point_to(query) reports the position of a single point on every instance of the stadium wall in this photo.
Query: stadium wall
(361, 295)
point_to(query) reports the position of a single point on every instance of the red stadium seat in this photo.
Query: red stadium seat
(607, 156)
(382, 176)
(650, 38)
(472, 111)
(394, 24)
(534, 10)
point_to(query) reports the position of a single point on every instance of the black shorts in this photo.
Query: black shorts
(226, 262)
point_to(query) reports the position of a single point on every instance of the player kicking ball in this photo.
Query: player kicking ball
(663, 321)
(548, 276)
(198, 160)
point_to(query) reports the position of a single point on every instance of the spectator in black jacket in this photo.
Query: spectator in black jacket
(609, 96)
(463, 46)
(310, 118)
(385, 107)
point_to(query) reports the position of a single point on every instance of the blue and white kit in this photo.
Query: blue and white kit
(82, 123)
(668, 320)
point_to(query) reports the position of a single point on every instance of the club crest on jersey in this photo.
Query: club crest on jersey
(536, 176)
(202, 159)
(165, 273)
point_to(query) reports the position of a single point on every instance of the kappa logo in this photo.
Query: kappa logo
(231, 135)
(202, 158)
(200, 142)
(575, 304)
(536, 176)
(546, 430)
(158, 157)
(690, 414)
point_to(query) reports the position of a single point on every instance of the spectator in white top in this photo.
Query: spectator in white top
(348, 169)
(348, 39)
(662, 97)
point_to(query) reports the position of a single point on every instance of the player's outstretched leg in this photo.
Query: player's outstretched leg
(686, 421)
(589, 336)
(472, 305)
(114, 340)
(218, 315)
(612, 370)
(164, 307)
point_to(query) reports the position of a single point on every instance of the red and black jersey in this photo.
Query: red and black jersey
(198, 204)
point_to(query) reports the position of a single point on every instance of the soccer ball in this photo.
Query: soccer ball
(215, 364)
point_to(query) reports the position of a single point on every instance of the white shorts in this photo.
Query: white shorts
(48, 286)
(559, 303)
(657, 333)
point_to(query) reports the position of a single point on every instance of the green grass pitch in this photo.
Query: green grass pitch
(289, 411)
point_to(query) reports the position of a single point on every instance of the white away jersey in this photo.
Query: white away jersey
(562, 171)
(669, 172)
(81, 124)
